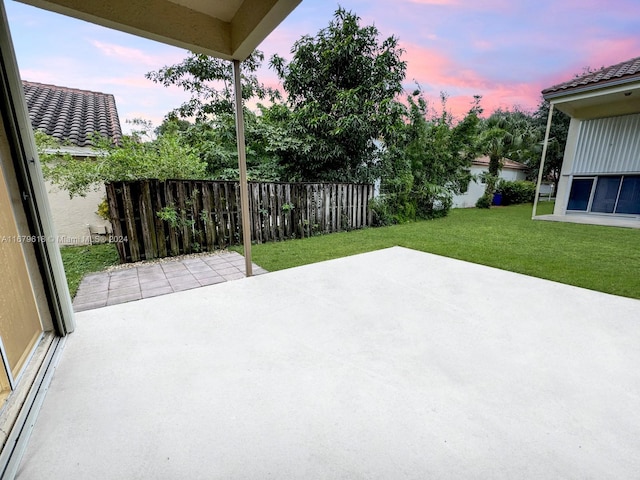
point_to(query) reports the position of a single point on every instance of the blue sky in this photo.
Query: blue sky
(505, 50)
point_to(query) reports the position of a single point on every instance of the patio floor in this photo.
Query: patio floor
(391, 364)
(593, 219)
(145, 280)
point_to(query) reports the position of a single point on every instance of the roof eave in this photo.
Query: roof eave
(556, 94)
(180, 26)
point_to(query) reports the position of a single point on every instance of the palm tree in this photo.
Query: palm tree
(505, 135)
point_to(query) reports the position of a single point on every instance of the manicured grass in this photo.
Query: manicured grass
(599, 258)
(81, 260)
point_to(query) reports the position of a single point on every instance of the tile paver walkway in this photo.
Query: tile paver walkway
(119, 286)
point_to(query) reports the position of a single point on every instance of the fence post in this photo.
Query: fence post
(116, 220)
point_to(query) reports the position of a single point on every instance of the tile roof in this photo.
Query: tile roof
(629, 70)
(71, 114)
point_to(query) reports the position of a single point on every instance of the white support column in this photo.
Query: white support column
(242, 165)
(542, 160)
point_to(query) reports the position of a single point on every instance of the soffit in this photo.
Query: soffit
(225, 10)
(229, 29)
(604, 102)
(608, 92)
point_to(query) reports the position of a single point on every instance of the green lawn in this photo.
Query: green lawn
(78, 261)
(599, 258)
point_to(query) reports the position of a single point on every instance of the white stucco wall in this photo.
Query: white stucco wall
(74, 217)
(476, 189)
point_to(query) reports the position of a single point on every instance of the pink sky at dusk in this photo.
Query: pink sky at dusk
(507, 51)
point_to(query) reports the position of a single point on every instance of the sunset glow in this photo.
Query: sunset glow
(504, 50)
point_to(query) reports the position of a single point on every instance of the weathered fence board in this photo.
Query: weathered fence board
(175, 217)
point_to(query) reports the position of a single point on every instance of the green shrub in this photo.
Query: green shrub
(516, 192)
(381, 214)
(483, 202)
(103, 210)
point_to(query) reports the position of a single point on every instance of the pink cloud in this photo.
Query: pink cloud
(123, 53)
(134, 55)
(435, 2)
(603, 53)
(436, 72)
(593, 53)
(430, 67)
(40, 76)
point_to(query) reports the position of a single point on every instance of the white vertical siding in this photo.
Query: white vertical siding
(608, 145)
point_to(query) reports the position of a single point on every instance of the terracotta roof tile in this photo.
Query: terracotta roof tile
(626, 70)
(71, 114)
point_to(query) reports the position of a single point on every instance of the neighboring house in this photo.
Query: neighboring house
(600, 178)
(510, 171)
(74, 116)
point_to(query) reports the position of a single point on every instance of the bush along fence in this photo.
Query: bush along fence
(155, 219)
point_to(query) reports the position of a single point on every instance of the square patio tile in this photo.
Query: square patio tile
(190, 281)
(150, 270)
(233, 275)
(228, 270)
(145, 279)
(154, 292)
(116, 292)
(80, 307)
(124, 273)
(88, 289)
(199, 267)
(154, 283)
(129, 297)
(211, 280)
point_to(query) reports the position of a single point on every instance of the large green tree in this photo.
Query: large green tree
(427, 162)
(266, 135)
(210, 129)
(209, 81)
(341, 86)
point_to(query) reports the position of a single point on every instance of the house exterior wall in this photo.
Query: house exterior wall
(476, 188)
(75, 219)
(564, 183)
(595, 147)
(608, 145)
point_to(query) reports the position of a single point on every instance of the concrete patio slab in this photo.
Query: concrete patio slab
(391, 364)
(593, 219)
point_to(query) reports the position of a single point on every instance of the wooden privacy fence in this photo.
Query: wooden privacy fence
(155, 219)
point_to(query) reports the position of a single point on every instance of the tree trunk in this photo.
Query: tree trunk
(494, 165)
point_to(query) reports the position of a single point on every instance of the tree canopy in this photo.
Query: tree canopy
(344, 117)
(428, 161)
(209, 80)
(341, 86)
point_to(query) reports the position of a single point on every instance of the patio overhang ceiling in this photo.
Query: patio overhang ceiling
(228, 29)
(585, 103)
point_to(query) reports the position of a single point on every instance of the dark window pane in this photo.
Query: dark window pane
(580, 193)
(604, 200)
(629, 201)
